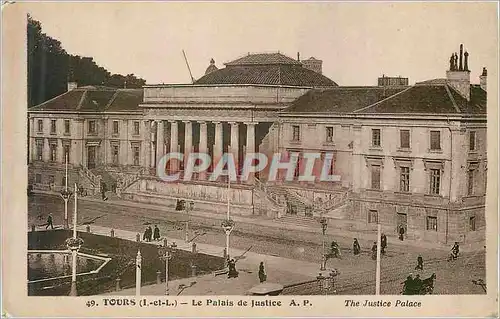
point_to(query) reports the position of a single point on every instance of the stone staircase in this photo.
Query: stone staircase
(304, 221)
(295, 204)
(95, 180)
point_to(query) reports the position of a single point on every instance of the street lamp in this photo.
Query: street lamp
(188, 206)
(228, 223)
(74, 243)
(66, 195)
(166, 253)
(324, 225)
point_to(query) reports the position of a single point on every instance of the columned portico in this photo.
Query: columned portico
(147, 144)
(188, 139)
(203, 147)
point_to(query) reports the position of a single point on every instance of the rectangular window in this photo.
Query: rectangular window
(38, 178)
(470, 182)
(52, 126)
(136, 152)
(472, 223)
(472, 140)
(66, 151)
(405, 179)
(376, 137)
(92, 127)
(373, 216)
(435, 181)
(432, 223)
(136, 128)
(116, 154)
(67, 127)
(435, 140)
(329, 134)
(296, 133)
(40, 126)
(375, 177)
(39, 150)
(115, 127)
(53, 152)
(404, 137)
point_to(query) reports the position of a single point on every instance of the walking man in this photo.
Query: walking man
(420, 263)
(49, 222)
(408, 285)
(356, 248)
(374, 251)
(103, 191)
(383, 243)
(262, 273)
(401, 233)
(156, 234)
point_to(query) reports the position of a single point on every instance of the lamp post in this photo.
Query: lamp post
(66, 195)
(188, 206)
(74, 243)
(166, 254)
(228, 224)
(327, 283)
(324, 225)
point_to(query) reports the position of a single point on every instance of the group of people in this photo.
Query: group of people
(356, 248)
(150, 234)
(233, 273)
(417, 286)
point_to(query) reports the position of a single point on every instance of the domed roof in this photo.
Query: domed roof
(211, 68)
(266, 69)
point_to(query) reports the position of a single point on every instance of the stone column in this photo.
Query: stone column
(218, 143)
(160, 143)
(146, 145)
(46, 150)
(188, 139)
(203, 145)
(234, 142)
(31, 141)
(174, 144)
(250, 147)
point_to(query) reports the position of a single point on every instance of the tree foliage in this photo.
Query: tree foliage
(50, 68)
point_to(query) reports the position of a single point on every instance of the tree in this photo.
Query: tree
(50, 68)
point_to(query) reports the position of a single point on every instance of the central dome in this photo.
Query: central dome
(266, 69)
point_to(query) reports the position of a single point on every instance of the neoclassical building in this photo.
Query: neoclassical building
(408, 156)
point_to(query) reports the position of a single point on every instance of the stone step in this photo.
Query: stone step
(299, 220)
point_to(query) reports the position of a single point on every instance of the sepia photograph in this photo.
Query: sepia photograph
(260, 150)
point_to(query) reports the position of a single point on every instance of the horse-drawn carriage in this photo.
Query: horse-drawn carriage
(419, 287)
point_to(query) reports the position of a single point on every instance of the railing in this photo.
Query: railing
(126, 180)
(94, 179)
(273, 198)
(336, 201)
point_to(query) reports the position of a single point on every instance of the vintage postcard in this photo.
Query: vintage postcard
(249, 159)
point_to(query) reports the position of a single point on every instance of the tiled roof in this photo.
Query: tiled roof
(341, 99)
(421, 99)
(264, 59)
(278, 74)
(93, 99)
(432, 82)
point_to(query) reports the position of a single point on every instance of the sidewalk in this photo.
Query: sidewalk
(256, 224)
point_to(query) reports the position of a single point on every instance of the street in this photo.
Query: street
(357, 273)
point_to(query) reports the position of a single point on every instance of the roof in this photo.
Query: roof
(266, 69)
(341, 99)
(264, 59)
(93, 99)
(418, 99)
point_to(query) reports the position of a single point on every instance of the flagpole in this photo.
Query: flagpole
(75, 214)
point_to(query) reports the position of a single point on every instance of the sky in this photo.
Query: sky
(358, 42)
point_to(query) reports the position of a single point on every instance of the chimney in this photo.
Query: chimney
(72, 84)
(459, 77)
(298, 56)
(482, 79)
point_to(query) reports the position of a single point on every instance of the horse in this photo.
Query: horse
(427, 286)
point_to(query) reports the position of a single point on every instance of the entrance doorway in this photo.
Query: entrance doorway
(91, 157)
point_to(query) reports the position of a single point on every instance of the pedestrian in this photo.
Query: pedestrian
(145, 235)
(408, 285)
(374, 251)
(156, 235)
(233, 273)
(49, 222)
(103, 191)
(455, 251)
(401, 233)
(150, 233)
(383, 243)
(420, 263)
(356, 248)
(335, 249)
(262, 273)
